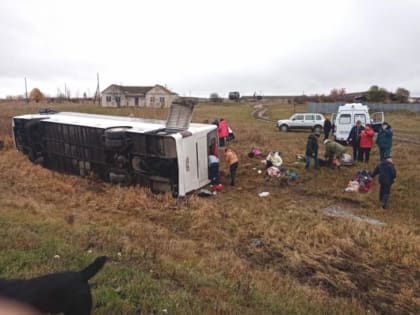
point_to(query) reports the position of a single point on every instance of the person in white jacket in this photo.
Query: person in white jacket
(273, 159)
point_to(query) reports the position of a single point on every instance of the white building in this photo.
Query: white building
(144, 96)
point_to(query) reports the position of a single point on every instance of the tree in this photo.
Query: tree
(402, 95)
(214, 97)
(338, 94)
(334, 95)
(377, 94)
(234, 96)
(36, 95)
(19, 97)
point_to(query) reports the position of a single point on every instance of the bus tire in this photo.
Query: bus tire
(116, 133)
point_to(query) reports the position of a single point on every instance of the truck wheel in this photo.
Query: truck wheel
(116, 133)
(115, 145)
(174, 190)
(115, 139)
(121, 177)
(284, 128)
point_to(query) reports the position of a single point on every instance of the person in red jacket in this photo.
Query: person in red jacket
(365, 143)
(223, 132)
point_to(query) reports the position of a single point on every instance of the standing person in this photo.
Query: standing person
(387, 174)
(223, 132)
(327, 128)
(384, 141)
(312, 150)
(214, 176)
(233, 161)
(354, 137)
(366, 143)
(334, 152)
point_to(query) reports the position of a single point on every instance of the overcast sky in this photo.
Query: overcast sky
(198, 47)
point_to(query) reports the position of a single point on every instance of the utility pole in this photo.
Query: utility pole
(26, 92)
(98, 91)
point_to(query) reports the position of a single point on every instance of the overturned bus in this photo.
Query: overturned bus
(169, 156)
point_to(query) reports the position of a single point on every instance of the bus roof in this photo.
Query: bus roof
(138, 125)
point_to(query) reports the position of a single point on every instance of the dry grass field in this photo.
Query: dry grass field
(233, 253)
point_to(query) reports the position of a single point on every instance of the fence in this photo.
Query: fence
(377, 107)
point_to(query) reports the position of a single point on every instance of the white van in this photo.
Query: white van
(349, 114)
(165, 156)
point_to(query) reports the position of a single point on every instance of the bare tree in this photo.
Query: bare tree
(402, 95)
(36, 95)
(214, 97)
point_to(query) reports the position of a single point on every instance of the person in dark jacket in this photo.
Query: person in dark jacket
(312, 150)
(327, 128)
(387, 174)
(384, 141)
(354, 138)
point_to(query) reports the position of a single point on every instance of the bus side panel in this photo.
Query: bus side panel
(202, 161)
(191, 164)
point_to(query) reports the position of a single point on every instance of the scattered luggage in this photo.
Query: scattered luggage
(300, 158)
(254, 153)
(347, 160)
(205, 193)
(362, 182)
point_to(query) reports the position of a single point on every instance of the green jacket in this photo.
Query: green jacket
(332, 148)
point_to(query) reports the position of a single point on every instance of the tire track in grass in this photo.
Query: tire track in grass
(259, 113)
(406, 140)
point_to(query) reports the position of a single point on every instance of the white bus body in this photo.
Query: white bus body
(166, 156)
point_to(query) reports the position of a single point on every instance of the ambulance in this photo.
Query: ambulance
(347, 116)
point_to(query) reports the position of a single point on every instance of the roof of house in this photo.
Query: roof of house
(137, 89)
(362, 93)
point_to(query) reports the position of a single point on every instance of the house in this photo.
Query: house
(414, 99)
(144, 96)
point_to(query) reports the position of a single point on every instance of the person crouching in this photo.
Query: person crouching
(273, 159)
(334, 152)
(214, 176)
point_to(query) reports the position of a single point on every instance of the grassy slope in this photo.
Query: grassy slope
(199, 258)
